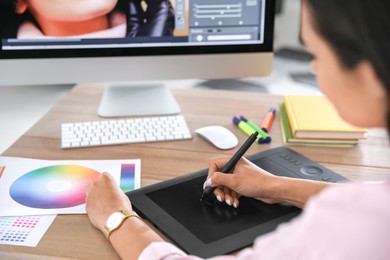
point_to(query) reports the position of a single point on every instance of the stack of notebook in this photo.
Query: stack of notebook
(312, 120)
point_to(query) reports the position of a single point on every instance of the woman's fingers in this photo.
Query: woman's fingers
(226, 195)
(235, 200)
(220, 193)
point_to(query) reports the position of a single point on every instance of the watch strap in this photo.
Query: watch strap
(126, 214)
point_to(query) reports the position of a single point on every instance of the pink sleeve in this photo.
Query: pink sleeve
(161, 250)
(167, 251)
(346, 222)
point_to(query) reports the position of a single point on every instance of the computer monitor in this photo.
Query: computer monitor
(120, 42)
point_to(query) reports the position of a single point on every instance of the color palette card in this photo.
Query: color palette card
(24, 230)
(40, 187)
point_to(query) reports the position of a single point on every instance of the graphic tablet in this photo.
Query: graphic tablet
(206, 230)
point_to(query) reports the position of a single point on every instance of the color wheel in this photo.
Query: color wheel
(58, 186)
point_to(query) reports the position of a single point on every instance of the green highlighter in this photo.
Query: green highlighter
(261, 132)
(247, 129)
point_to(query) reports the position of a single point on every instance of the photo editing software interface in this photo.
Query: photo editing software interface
(159, 23)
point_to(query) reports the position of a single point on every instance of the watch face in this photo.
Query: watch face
(114, 220)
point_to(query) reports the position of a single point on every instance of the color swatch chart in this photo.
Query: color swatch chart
(24, 230)
(42, 187)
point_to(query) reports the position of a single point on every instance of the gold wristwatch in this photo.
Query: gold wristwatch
(115, 220)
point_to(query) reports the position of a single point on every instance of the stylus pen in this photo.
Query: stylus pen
(232, 162)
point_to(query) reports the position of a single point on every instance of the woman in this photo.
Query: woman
(33, 19)
(349, 40)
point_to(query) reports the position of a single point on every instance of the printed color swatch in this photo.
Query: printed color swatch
(127, 177)
(24, 230)
(58, 186)
(16, 229)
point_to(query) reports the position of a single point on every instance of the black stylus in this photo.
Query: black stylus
(232, 162)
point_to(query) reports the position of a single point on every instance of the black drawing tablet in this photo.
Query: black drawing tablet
(206, 230)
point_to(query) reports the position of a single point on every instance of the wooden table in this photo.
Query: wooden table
(72, 236)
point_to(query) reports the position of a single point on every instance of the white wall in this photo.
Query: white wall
(287, 25)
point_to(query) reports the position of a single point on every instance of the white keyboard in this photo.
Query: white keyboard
(125, 131)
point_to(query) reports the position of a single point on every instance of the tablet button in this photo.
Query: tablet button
(311, 170)
(283, 155)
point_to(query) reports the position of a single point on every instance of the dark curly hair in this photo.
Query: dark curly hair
(357, 30)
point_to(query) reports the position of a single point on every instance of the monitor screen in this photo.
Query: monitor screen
(57, 42)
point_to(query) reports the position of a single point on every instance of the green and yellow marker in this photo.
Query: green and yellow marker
(247, 129)
(261, 132)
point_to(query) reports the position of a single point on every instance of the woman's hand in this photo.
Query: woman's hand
(247, 179)
(103, 198)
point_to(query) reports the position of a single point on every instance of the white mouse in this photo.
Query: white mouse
(219, 136)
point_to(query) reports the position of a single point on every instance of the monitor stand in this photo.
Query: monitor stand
(233, 84)
(126, 99)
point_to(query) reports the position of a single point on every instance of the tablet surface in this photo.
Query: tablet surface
(206, 230)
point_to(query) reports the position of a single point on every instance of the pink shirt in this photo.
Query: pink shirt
(343, 222)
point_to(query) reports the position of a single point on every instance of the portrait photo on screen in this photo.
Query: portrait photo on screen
(40, 19)
(71, 26)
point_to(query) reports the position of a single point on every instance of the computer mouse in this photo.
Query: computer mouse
(218, 136)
